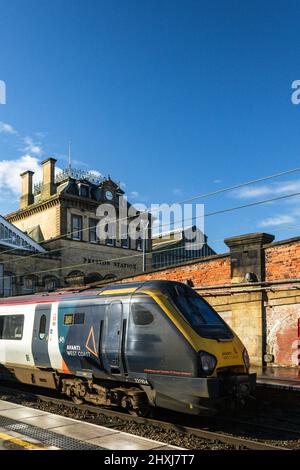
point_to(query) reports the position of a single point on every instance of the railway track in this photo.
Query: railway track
(234, 441)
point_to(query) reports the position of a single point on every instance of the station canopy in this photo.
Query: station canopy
(12, 237)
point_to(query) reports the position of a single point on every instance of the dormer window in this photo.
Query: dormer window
(84, 190)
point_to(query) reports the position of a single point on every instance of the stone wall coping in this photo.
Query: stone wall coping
(249, 239)
(281, 242)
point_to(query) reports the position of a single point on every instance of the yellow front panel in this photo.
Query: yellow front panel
(228, 353)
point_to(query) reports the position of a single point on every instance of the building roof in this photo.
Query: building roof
(175, 236)
(179, 230)
(69, 182)
(12, 237)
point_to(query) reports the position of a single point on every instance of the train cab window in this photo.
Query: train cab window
(42, 328)
(11, 327)
(199, 314)
(68, 319)
(141, 314)
(74, 318)
(78, 318)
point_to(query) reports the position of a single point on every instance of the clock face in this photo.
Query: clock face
(109, 195)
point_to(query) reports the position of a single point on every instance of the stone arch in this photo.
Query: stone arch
(50, 283)
(93, 277)
(30, 283)
(8, 283)
(74, 278)
(110, 276)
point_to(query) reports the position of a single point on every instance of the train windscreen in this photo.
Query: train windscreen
(199, 314)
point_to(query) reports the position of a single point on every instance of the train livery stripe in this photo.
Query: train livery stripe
(118, 291)
(168, 372)
(65, 369)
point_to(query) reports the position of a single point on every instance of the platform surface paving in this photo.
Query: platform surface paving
(23, 428)
(287, 378)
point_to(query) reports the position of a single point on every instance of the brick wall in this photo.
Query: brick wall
(282, 260)
(207, 272)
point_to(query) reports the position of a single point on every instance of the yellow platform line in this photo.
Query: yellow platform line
(19, 442)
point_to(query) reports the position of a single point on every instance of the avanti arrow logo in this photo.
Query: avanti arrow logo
(90, 343)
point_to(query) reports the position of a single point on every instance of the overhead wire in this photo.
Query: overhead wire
(185, 201)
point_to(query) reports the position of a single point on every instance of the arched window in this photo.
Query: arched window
(139, 244)
(8, 284)
(93, 277)
(75, 278)
(110, 276)
(51, 283)
(29, 284)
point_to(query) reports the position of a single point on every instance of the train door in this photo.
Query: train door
(113, 336)
(40, 336)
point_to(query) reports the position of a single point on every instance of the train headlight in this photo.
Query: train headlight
(208, 362)
(246, 358)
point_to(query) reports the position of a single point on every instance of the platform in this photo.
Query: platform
(23, 428)
(278, 377)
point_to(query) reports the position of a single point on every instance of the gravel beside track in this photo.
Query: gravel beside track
(249, 425)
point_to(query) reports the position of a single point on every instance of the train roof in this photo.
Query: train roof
(85, 293)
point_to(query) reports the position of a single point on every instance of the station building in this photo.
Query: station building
(60, 215)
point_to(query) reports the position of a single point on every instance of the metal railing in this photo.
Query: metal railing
(74, 173)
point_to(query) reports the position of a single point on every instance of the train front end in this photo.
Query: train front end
(217, 358)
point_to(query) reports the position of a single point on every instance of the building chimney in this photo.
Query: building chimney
(26, 195)
(48, 184)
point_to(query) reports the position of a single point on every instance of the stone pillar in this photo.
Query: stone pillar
(26, 192)
(48, 184)
(247, 260)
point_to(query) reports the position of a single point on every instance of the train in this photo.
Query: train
(136, 346)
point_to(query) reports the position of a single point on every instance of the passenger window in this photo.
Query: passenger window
(141, 314)
(42, 328)
(11, 327)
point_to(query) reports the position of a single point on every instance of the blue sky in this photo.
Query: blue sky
(173, 98)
